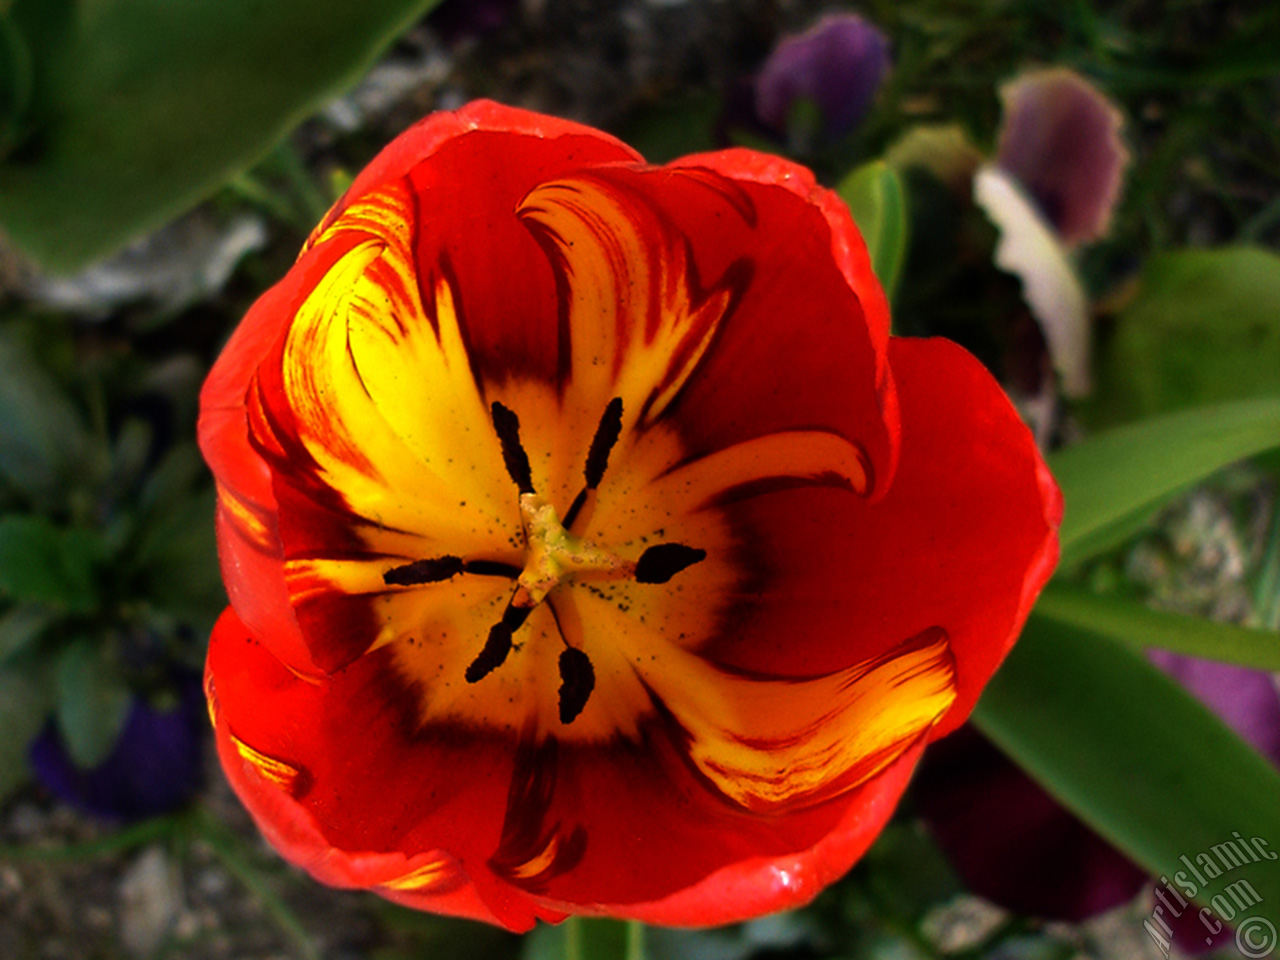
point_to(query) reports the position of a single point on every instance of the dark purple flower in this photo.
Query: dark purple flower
(1013, 844)
(1061, 140)
(155, 766)
(837, 65)
(1010, 841)
(457, 20)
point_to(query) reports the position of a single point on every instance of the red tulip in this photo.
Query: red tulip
(591, 546)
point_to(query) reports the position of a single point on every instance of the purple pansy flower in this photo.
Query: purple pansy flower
(837, 64)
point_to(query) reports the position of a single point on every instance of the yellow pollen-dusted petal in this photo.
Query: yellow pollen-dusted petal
(638, 330)
(384, 401)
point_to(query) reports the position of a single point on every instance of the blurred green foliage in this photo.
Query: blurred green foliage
(108, 567)
(117, 115)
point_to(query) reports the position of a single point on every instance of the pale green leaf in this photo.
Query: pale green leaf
(1113, 475)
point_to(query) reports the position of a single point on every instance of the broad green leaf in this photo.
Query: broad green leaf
(1113, 475)
(144, 107)
(1204, 328)
(25, 701)
(93, 702)
(877, 200)
(1140, 627)
(40, 563)
(1131, 752)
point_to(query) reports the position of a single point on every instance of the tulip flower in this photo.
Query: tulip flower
(591, 547)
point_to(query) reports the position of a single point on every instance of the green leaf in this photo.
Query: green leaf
(1113, 475)
(25, 701)
(15, 82)
(1131, 752)
(40, 563)
(20, 627)
(1140, 627)
(42, 437)
(877, 200)
(1204, 328)
(93, 702)
(146, 106)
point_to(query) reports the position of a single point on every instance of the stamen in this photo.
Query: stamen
(660, 563)
(607, 433)
(577, 680)
(499, 643)
(507, 426)
(513, 617)
(437, 569)
(602, 443)
(492, 568)
(494, 653)
(424, 571)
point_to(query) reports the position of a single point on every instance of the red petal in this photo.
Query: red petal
(963, 540)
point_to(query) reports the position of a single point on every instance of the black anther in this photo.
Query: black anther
(494, 653)
(660, 563)
(577, 680)
(507, 426)
(424, 571)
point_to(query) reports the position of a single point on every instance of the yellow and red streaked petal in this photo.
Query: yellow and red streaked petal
(797, 351)
(469, 186)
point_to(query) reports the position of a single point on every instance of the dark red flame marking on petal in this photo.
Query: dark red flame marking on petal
(758, 488)
(526, 834)
(735, 279)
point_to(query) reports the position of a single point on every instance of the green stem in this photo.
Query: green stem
(635, 940)
(230, 850)
(573, 939)
(118, 842)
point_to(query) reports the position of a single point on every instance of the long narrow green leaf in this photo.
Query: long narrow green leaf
(143, 107)
(1113, 475)
(1133, 754)
(1138, 626)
